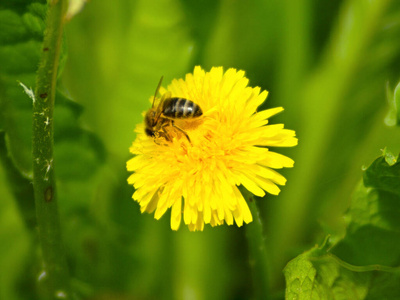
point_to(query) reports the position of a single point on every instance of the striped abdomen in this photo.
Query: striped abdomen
(180, 108)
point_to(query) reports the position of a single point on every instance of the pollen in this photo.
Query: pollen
(230, 145)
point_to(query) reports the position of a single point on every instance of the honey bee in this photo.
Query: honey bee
(161, 119)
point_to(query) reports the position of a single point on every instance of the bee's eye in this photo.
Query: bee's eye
(149, 132)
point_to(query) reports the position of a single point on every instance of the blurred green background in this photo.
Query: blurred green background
(328, 63)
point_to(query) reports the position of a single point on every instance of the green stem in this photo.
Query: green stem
(366, 268)
(257, 249)
(54, 280)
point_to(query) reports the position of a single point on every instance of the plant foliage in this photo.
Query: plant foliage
(333, 65)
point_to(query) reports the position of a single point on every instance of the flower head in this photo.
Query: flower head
(196, 164)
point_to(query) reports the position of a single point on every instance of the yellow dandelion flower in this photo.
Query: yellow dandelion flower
(195, 165)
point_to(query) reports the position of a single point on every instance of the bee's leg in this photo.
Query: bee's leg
(157, 141)
(163, 133)
(182, 131)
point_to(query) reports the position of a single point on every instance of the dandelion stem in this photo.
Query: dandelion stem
(257, 249)
(54, 280)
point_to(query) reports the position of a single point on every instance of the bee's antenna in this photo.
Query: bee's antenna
(157, 89)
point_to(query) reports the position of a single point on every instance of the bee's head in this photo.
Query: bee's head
(150, 118)
(149, 132)
(150, 122)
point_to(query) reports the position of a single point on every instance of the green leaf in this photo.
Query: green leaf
(21, 27)
(384, 286)
(365, 263)
(383, 176)
(13, 29)
(316, 275)
(373, 233)
(79, 151)
(78, 157)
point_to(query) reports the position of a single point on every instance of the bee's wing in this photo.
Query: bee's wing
(165, 96)
(157, 89)
(159, 110)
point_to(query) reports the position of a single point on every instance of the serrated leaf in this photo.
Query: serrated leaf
(300, 276)
(20, 42)
(79, 151)
(316, 275)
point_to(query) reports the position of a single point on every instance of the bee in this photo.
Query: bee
(161, 119)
